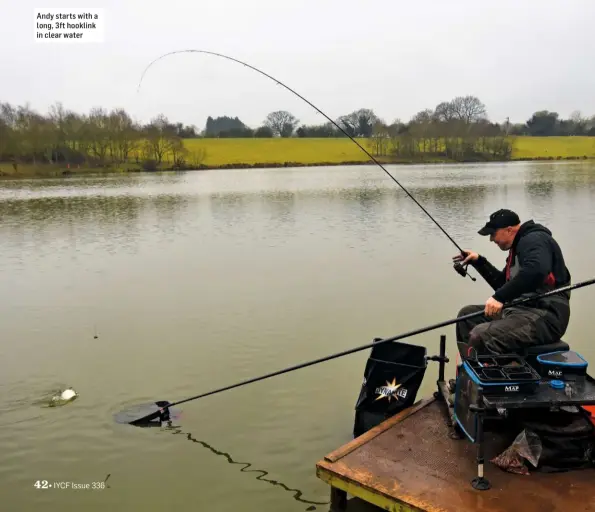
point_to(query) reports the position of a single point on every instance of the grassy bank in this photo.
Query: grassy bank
(227, 153)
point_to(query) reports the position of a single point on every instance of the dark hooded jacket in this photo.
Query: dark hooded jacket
(534, 265)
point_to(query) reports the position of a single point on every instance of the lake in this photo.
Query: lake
(197, 280)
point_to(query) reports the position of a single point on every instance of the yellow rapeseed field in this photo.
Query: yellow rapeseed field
(251, 151)
(563, 147)
(308, 151)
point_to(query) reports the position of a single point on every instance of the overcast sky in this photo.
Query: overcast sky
(394, 56)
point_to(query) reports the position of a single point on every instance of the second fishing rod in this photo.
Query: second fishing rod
(462, 270)
(159, 409)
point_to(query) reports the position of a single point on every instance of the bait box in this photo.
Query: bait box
(565, 365)
(502, 375)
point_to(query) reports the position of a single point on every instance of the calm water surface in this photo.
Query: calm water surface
(199, 280)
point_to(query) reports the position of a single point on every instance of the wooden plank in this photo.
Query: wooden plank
(377, 430)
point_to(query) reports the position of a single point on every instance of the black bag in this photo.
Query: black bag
(392, 377)
(567, 439)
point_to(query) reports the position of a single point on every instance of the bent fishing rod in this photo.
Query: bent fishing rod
(457, 266)
(163, 406)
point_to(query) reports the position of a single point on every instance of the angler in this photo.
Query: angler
(503, 234)
(535, 264)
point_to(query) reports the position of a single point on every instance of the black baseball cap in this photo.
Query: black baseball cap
(500, 219)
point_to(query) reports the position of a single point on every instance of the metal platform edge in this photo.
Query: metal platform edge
(341, 486)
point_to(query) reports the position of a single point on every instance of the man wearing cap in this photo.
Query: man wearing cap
(534, 265)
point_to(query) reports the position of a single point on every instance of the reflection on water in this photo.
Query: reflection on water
(540, 191)
(117, 220)
(197, 280)
(169, 208)
(280, 205)
(568, 179)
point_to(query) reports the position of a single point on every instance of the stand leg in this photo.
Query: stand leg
(338, 500)
(480, 483)
(443, 393)
(440, 393)
(442, 358)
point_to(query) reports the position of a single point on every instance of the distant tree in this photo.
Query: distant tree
(263, 132)
(380, 138)
(98, 133)
(178, 151)
(444, 112)
(160, 138)
(281, 122)
(224, 124)
(359, 123)
(579, 123)
(322, 130)
(124, 135)
(543, 123)
(422, 127)
(468, 109)
(518, 129)
(186, 132)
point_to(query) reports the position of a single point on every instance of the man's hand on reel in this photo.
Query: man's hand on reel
(466, 258)
(461, 261)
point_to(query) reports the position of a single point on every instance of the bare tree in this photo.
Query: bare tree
(421, 127)
(197, 157)
(159, 137)
(380, 138)
(579, 122)
(281, 122)
(98, 133)
(444, 112)
(124, 135)
(468, 109)
(36, 135)
(178, 151)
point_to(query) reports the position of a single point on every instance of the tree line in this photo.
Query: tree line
(458, 129)
(363, 122)
(97, 139)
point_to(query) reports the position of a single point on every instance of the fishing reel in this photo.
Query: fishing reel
(462, 270)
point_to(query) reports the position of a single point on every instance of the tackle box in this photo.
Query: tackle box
(497, 376)
(502, 375)
(565, 365)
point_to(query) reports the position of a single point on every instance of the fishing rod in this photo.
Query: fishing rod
(462, 270)
(160, 409)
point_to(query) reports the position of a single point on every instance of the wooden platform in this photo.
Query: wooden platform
(409, 463)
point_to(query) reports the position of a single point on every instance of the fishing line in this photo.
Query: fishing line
(297, 493)
(324, 115)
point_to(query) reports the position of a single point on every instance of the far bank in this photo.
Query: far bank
(296, 152)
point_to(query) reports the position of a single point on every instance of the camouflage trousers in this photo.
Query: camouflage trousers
(510, 332)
